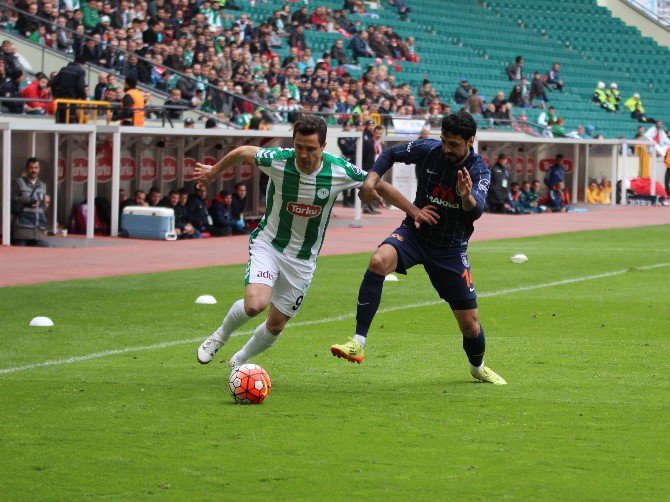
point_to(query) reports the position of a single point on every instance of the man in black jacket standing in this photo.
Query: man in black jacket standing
(348, 148)
(498, 196)
(69, 83)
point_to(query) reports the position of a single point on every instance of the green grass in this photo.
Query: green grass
(584, 415)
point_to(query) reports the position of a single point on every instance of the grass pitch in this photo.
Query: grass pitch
(580, 332)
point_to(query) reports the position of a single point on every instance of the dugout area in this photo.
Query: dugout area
(140, 158)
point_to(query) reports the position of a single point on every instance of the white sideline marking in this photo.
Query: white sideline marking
(162, 345)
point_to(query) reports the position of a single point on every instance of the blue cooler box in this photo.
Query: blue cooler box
(148, 222)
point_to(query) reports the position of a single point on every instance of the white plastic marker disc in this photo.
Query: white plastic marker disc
(206, 299)
(41, 321)
(391, 278)
(519, 258)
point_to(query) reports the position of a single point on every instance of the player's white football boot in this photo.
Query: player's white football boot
(209, 347)
(487, 375)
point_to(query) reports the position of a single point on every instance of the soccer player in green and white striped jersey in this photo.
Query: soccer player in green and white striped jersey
(304, 184)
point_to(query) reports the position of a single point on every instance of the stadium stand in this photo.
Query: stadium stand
(473, 40)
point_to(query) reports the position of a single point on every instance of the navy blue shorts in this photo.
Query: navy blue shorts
(449, 273)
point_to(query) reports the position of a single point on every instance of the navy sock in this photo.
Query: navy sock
(369, 298)
(475, 348)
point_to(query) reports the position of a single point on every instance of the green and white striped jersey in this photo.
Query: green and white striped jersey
(298, 205)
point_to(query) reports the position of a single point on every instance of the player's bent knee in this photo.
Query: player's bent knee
(254, 306)
(383, 262)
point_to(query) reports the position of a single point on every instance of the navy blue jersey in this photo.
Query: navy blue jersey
(437, 186)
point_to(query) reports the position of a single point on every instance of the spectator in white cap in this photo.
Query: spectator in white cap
(614, 96)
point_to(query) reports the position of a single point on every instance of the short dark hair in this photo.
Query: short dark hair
(460, 123)
(31, 160)
(311, 124)
(559, 156)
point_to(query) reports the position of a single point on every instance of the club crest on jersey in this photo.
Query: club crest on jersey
(442, 196)
(303, 210)
(464, 259)
(322, 193)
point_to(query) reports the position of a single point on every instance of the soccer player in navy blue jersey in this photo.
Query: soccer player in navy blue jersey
(451, 194)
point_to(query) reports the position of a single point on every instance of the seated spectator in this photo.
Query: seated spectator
(11, 89)
(27, 24)
(516, 97)
(514, 196)
(528, 198)
(37, 89)
(514, 71)
(463, 92)
(178, 200)
(614, 96)
(639, 115)
(360, 47)
(154, 197)
(547, 116)
(659, 137)
(605, 191)
(600, 98)
(631, 103)
(318, 19)
(337, 52)
(239, 201)
(222, 215)
(558, 130)
(538, 89)
(553, 79)
(559, 198)
(593, 193)
(176, 101)
(379, 45)
(198, 213)
(578, 133)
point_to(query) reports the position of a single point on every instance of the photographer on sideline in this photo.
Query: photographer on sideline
(28, 207)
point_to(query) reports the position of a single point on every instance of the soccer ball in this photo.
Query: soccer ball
(249, 384)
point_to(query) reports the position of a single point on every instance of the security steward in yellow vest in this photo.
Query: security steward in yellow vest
(132, 106)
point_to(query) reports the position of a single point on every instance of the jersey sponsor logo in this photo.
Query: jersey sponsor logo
(303, 210)
(265, 274)
(398, 236)
(322, 193)
(483, 185)
(443, 196)
(464, 259)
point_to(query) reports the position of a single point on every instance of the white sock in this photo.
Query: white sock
(261, 341)
(477, 369)
(235, 319)
(360, 340)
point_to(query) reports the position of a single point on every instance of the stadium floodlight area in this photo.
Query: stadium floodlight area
(135, 158)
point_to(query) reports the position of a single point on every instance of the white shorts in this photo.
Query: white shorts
(288, 277)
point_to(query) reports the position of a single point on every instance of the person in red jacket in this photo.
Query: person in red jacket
(37, 89)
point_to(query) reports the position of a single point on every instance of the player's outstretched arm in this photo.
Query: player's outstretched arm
(206, 173)
(393, 196)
